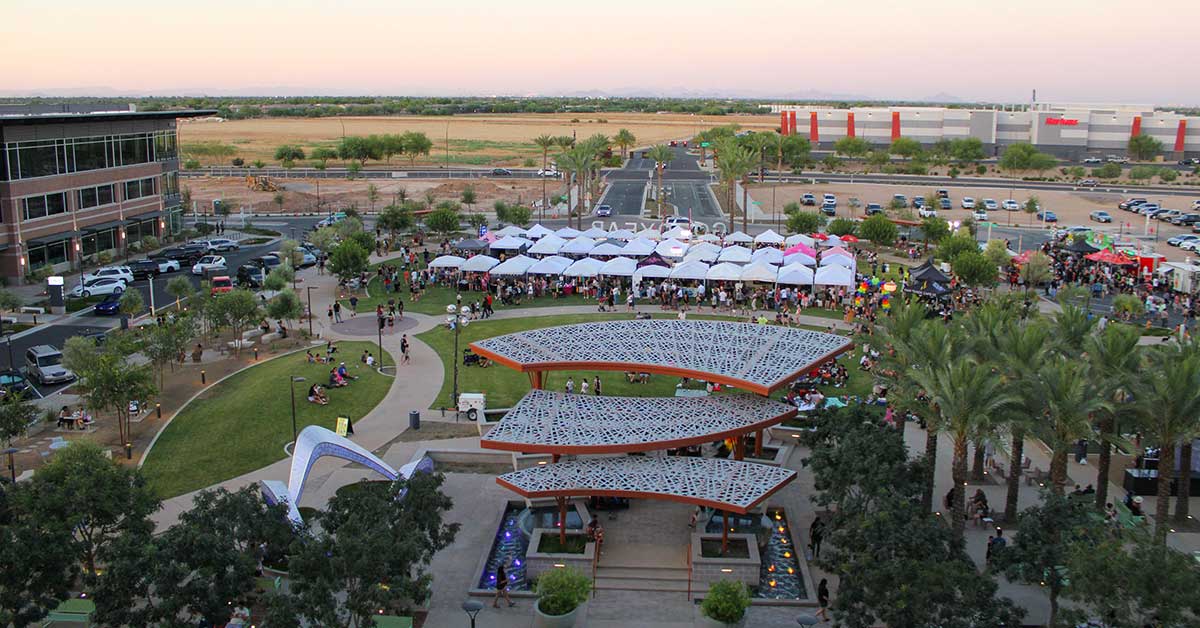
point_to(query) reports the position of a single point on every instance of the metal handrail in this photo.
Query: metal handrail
(687, 552)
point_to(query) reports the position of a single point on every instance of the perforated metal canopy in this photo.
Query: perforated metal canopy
(730, 485)
(756, 358)
(554, 422)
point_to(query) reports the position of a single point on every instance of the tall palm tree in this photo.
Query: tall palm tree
(569, 167)
(1116, 358)
(1071, 395)
(1022, 348)
(662, 155)
(544, 142)
(700, 139)
(735, 161)
(565, 143)
(967, 396)
(1169, 407)
(624, 139)
(597, 144)
(760, 142)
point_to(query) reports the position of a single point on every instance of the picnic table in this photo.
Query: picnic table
(74, 611)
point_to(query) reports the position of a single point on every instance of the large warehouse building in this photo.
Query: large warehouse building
(1072, 131)
(78, 183)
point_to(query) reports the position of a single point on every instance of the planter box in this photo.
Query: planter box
(537, 562)
(577, 617)
(706, 571)
(787, 434)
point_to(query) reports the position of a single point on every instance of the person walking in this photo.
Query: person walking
(822, 599)
(353, 305)
(502, 588)
(815, 534)
(337, 311)
(404, 357)
(596, 386)
(330, 314)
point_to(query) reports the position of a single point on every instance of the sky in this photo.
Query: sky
(986, 50)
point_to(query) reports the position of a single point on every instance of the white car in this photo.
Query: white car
(221, 245)
(209, 263)
(1195, 205)
(168, 265)
(1190, 245)
(829, 198)
(990, 204)
(927, 212)
(103, 285)
(117, 272)
(979, 215)
(1011, 205)
(549, 172)
(968, 202)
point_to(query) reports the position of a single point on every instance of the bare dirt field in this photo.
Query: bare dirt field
(473, 139)
(301, 195)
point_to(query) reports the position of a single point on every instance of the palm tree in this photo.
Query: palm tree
(1116, 358)
(662, 155)
(1071, 396)
(1169, 405)
(1022, 347)
(566, 143)
(700, 139)
(760, 142)
(735, 161)
(967, 396)
(569, 166)
(624, 139)
(597, 144)
(544, 142)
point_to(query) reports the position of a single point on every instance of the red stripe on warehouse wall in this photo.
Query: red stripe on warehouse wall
(895, 125)
(1180, 135)
(783, 123)
(791, 123)
(813, 135)
(850, 124)
(1137, 127)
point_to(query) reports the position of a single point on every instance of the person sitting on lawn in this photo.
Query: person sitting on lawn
(365, 359)
(316, 395)
(341, 371)
(266, 329)
(336, 380)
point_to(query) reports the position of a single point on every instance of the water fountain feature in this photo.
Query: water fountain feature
(780, 577)
(512, 542)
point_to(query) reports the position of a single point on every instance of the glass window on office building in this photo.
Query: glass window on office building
(93, 243)
(165, 145)
(139, 188)
(48, 254)
(95, 197)
(138, 230)
(34, 207)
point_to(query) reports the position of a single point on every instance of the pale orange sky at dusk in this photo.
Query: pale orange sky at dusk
(1073, 50)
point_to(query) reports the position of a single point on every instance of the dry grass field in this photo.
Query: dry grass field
(502, 140)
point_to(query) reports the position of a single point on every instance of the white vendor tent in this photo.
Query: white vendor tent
(840, 260)
(548, 245)
(737, 237)
(724, 272)
(768, 237)
(639, 247)
(650, 234)
(447, 261)
(620, 234)
(537, 232)
(479, 264)
(759, 271)
(511, 230)
(578, 246)
(737, 254)
(671, 248)
(518, 265)
(586, 267)
(834, 276)
(619, 267)
(799, 258)
(553, 265)
(768, 255)
(795, 275)
(511, 243)
(606, 249)
(567, 233)
(799, 238)
(690, 270)
(594, 232)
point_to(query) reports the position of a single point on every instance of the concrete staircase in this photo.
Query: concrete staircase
(637, 567)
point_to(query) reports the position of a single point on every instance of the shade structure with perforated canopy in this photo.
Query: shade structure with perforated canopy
(755, 358)
(834, 275)
(768, 237)
(553, 265)
(537, 232)
(511, 230)
(760, 271)
(737, 237)
(619, 267)
(638, 247)
(511, 243)
(578, 246)
(479, 264)
(719, 483)
(736, 254)
(514, 266)
(586, 267)
(795, 275)
(594, 233)
(607, 249)
(690, 270)
(553, 422)
(447, 261)
(549, 244)
(768, 255)
(724, 271)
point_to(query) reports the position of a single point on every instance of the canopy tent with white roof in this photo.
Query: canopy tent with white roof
(620, 234)
(639, 247)
(724, 272)
(548, 245)
(606, 249)
(708, 237)
(737, 237)
(537, 232)
(678, 233)
(768, 237)
(567, 232)
(479, 264)
(619, 267)
(650, 234)
(518, 265)
(690, 270)
(511, 243)
(511, 230)
(701, 255)
(837, 250)
(799, 238)
(579, 246)
(768, 255)
(795, 275)
(834, 276)
(832, 241)
(671, 248)
(586, 267)
(553, 265)
(594, 232)
(735, 253)
(838, 260)
(705, 246)
(760, 271)
(799, 258)
(652, 272)
(447, 261)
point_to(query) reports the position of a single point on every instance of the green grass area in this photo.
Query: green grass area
(470, 146)
(242, 423)
(207, 149)
(504, 386)
(549, 544)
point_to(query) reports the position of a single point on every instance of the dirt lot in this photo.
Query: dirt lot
(473, 139)
(300, 195)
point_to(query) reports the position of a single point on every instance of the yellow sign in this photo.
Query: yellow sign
(343, 425)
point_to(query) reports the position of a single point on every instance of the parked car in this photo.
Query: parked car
(1129, 203)
(926, 212)
(1091, 183)
(1010, 205)
(1196, 204)
(501, 172)
(829, 209)
(222, 245)
(186, 254)
(96, 287)
(829, 198)
(43, 364)
(1148, 209)
(268, 261)
(1167, 214)
(251, 275)
(1194, 161)
(808, 199)
(1190, 245)
(968, 202)
(220, 285)
(918, 202)
(551, 172)
(118, 272)
(143, 268)
(1180, 239)
(979, 215)
(900, 197)
(1092, 160)
(1047, 216)
(874, 208)
(944, 203)
(1186, 219)
(208, 264)
(331, 220)
(13, 382)
(1116, 159)
(990, 204)
(603, 211)
(1100, 216)
(109, 306)
(943, 193)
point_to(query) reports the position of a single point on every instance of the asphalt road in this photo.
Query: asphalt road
(969, 182)
(684, 184)
(625, 197)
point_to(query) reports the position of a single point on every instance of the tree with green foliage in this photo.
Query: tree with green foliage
(1107, 171)
(624, 138)
(476, 221)
(108, 381)
(469, 197)
(368, 551)
(348, 227)
(519, 215)
(996, 252)
(1131, 582)
(1144, 147)
(546, 142)
(878, 159)
(1168, 394)
(1128, 305)
(1116, 358)
(734, 162)
(974, 269)
(951, 246)
(180, 288)
(394, 219)
(1036, 270)
(1031, 206)
(415, 145)
(164, 344)
(905, 147)
(40, 561)
(1023, 156)
(16, 414)
(968, 149)
(285, 306)
(324, 238)
(935, 229)
(347, 260)
(842, 226)
(796, 150)
(324, 153)
(359, 149)
(352, 169)
(372, 195)
(852, 147)
(288, 152)
(443, 221)
(1077, 172)
(92, 498)
(236, 310)
(801, 221)
(879, 230)
(10, 301)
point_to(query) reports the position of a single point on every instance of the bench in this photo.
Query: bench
(271, 337)
(29, 309)
(252, 334)
(87, 429)
(239, 344)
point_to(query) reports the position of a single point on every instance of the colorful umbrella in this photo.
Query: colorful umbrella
(849, 238)
(820, 236)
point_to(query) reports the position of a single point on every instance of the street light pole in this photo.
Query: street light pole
(456, 320)
(292, 379)
(308, 291)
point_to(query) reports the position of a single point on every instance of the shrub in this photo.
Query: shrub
(258, 163)
(1140, 173)
(104, 257)
(561, 591)
(529, 163)
(726, 602)
(1167, 174)
(1107, 171)
(191, 164)
(953, 172)
(238, 162)
(981, 169)
(842, 226)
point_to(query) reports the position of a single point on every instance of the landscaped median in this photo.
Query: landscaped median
(242, 423)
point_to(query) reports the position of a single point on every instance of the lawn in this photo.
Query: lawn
(436, 298)
(243, 423)
(504, 386)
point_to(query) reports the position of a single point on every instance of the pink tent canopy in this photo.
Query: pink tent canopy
(837, 250)
(800, 247)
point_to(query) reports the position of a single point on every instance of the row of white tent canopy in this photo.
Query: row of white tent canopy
(795, 273)
(526, 237)
(669, 248)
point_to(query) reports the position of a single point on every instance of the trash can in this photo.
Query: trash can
(414, 420)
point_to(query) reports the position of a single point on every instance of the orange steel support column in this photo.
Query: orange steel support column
(791, 123)
(1180, 135)
(813, 134)
(1137, 127)
(850, 124)
(562, 520)
(536, 379)
(895, 125)
(758, 438)
(783, 123)
(739, 448)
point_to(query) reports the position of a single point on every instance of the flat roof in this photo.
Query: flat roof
(100, 116)
(731, 485)
(753, 357)
(554, 422)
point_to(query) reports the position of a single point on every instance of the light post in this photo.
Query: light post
(472, 608)
(308, 291)
(456, 318)
(12, 467)
(292, 379)
(382, 322)
(8, 342)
